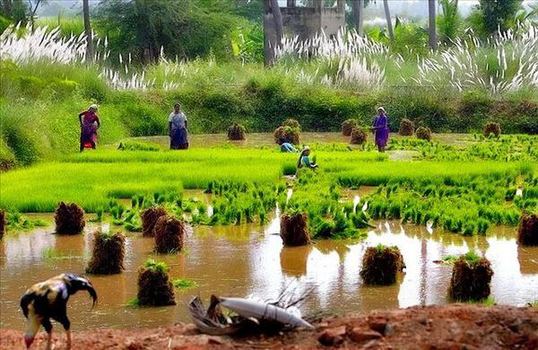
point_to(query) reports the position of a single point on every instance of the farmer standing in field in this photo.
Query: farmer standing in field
(89, 123)
(381, 129)
(177, 128)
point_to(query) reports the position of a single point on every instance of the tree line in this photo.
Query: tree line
(225, 29)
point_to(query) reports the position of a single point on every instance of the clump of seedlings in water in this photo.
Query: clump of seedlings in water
(527, 233)
(381, 264)
(471, 277)
(149, 219)
(492, 129)
(184, 283)
(348, 126)
(169, 234)
(154, 286)
(358, 136)
(294, 229)
(108, 253)
(238, 203)
(424, 133)
(236, 132)
(69, 219)
(407, 127)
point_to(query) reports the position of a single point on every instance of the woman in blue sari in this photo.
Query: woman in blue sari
(381, 129)
(177, 125)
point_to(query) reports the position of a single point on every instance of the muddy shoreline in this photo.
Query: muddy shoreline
(455, 326)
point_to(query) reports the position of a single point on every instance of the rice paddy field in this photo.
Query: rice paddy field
(448, 214)
(433, 200)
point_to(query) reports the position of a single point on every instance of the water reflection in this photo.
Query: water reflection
(250, 260)
(293, 261)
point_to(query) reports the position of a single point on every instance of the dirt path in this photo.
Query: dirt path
(436, 327)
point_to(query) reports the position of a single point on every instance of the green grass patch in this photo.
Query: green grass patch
(184, 283)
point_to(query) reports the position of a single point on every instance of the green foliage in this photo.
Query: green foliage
(499, 14)
(490, 16)
(133, 302)
(51, 254)
(156, 266)
(185, 29)
(131, 145)
(472, 257)
(17, 222)
(449, 22)
(184, 283)
(69, 26)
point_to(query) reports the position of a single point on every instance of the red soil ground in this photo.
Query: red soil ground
(435, 327)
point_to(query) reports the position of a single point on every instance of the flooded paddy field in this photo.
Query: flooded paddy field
(250, 260)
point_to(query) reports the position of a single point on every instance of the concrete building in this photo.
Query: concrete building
(307, 21)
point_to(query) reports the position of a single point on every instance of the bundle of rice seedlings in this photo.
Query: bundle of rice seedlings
(154, 286)
(108, 253)
(2, 223)
(149, 218)
(407, 127)
(236, 132)
(294, 229)
(527, 233)
(471, 276)
(69, 219)
(348, 126)
(358, 136)
(292, 123)
(492, 128)
(424, 133)
(381, 264)
(169, 233)
(287, 134)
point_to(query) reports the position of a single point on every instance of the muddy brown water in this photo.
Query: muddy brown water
(250, 260)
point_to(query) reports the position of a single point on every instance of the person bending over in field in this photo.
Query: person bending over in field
(304, 159)
(381, 129)
(89, 123)
(177, 128)
(287, 147)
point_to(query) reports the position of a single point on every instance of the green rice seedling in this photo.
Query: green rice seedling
(52, 254)
(130, 145)
(15, 221)
(184, 283)
(133, 302)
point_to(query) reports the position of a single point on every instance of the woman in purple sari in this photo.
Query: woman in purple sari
(381, 129)
(89, 123)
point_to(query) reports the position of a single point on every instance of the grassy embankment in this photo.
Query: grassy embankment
(41, 96)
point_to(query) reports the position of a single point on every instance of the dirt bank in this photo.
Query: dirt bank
(436, 327)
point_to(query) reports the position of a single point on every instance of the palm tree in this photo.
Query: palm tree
(273, 29)
(87, 30)
(432, 28)
(389, 21)
(357, 8)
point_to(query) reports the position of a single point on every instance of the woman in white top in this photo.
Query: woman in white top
(177, 127)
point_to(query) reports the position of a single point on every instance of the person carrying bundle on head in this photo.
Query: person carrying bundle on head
(89, 123)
